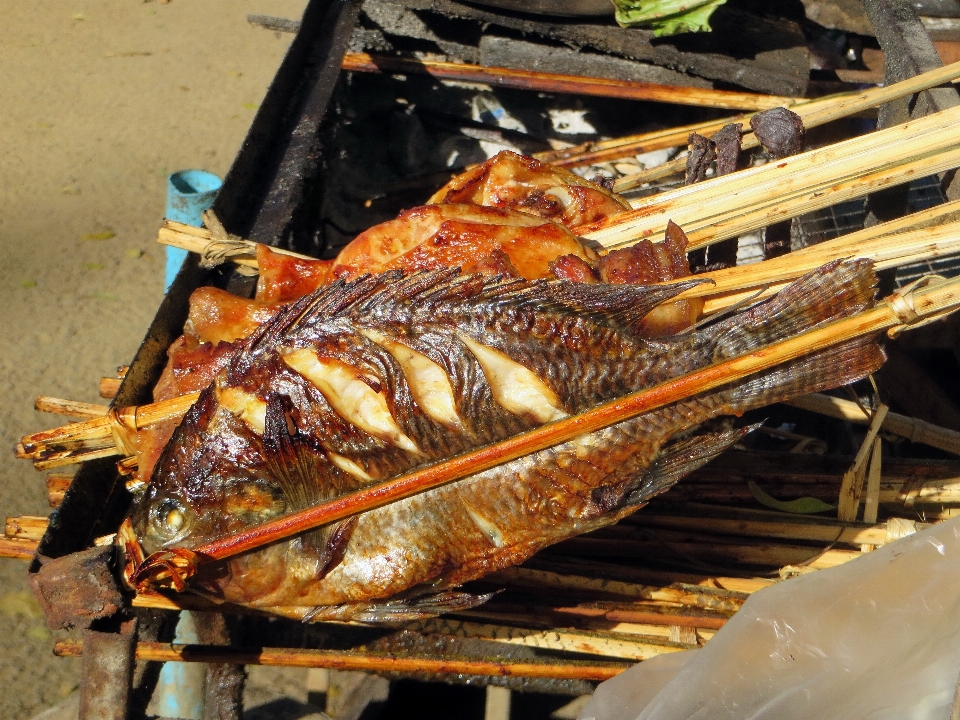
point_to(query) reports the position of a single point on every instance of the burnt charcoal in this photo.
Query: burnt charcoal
(702, 153)
(779, 130)
(727, 147)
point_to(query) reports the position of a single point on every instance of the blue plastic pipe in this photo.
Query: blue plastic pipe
(189, 194)
(181, 686)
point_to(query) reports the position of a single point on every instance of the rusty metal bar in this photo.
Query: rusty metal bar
(107, 672)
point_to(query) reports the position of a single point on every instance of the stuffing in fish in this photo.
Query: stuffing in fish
(369, 378)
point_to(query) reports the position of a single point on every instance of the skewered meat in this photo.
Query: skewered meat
(435, 236)
(367, 379)
(518, 182)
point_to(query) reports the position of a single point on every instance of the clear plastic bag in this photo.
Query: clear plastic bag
(877, 638)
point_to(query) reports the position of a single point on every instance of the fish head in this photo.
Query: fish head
(210, 481)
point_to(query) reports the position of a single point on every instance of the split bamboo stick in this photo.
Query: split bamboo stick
(18, 548)
(887, 247)
(786, 528)
(813, 113)
(109, 387)
(96, 437)
(910, 428)
(924, 302)
(607, 644)
(70, 408)
(708, 549)
(715, 586)
(749, 199)
(575, 84)
(644, 616)
(364, 662)
(871, 502)
(851, 486)
(26, 527)
(57, 486)
(690, 596)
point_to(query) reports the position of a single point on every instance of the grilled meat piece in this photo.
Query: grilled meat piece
(517, 182)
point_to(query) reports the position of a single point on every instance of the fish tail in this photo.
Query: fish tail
(836, 366)
(836, 290)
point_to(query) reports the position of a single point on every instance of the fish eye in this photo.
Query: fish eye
(170, 518)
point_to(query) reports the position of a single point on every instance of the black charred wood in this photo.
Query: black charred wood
(757, 52)
(264, 191)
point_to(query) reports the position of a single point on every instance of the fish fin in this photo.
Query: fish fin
(625, 304)
(288, 457)
(836, 366)
(335, 540)
(679, 459)
(390, 611)
(295, 466)
(835, 290)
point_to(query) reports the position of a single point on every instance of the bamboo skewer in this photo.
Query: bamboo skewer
(18, 548)
(551, 82)
(923, 302)
(910, 428)
(26, 527)
(813, 113)
(749, 199)
(70, 408)
(852, 484)
(290, 657)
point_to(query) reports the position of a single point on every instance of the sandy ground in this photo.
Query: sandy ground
(99, 101)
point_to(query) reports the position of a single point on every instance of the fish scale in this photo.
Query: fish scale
(327, 407)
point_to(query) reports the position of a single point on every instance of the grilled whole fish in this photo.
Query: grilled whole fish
(370, 378)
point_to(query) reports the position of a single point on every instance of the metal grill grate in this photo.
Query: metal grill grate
(847, 217)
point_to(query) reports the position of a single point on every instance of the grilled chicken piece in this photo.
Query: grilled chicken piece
(465, 236)
(518, 182)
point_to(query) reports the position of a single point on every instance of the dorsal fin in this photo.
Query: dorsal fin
(390, 296)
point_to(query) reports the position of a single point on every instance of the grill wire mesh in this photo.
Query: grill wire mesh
(848, 217)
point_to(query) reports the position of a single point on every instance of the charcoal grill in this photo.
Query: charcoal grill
(308, 178)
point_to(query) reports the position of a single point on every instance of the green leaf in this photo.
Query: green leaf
(667, 17)
(800, 506)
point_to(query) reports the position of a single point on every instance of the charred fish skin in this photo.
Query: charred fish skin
(320, 398)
